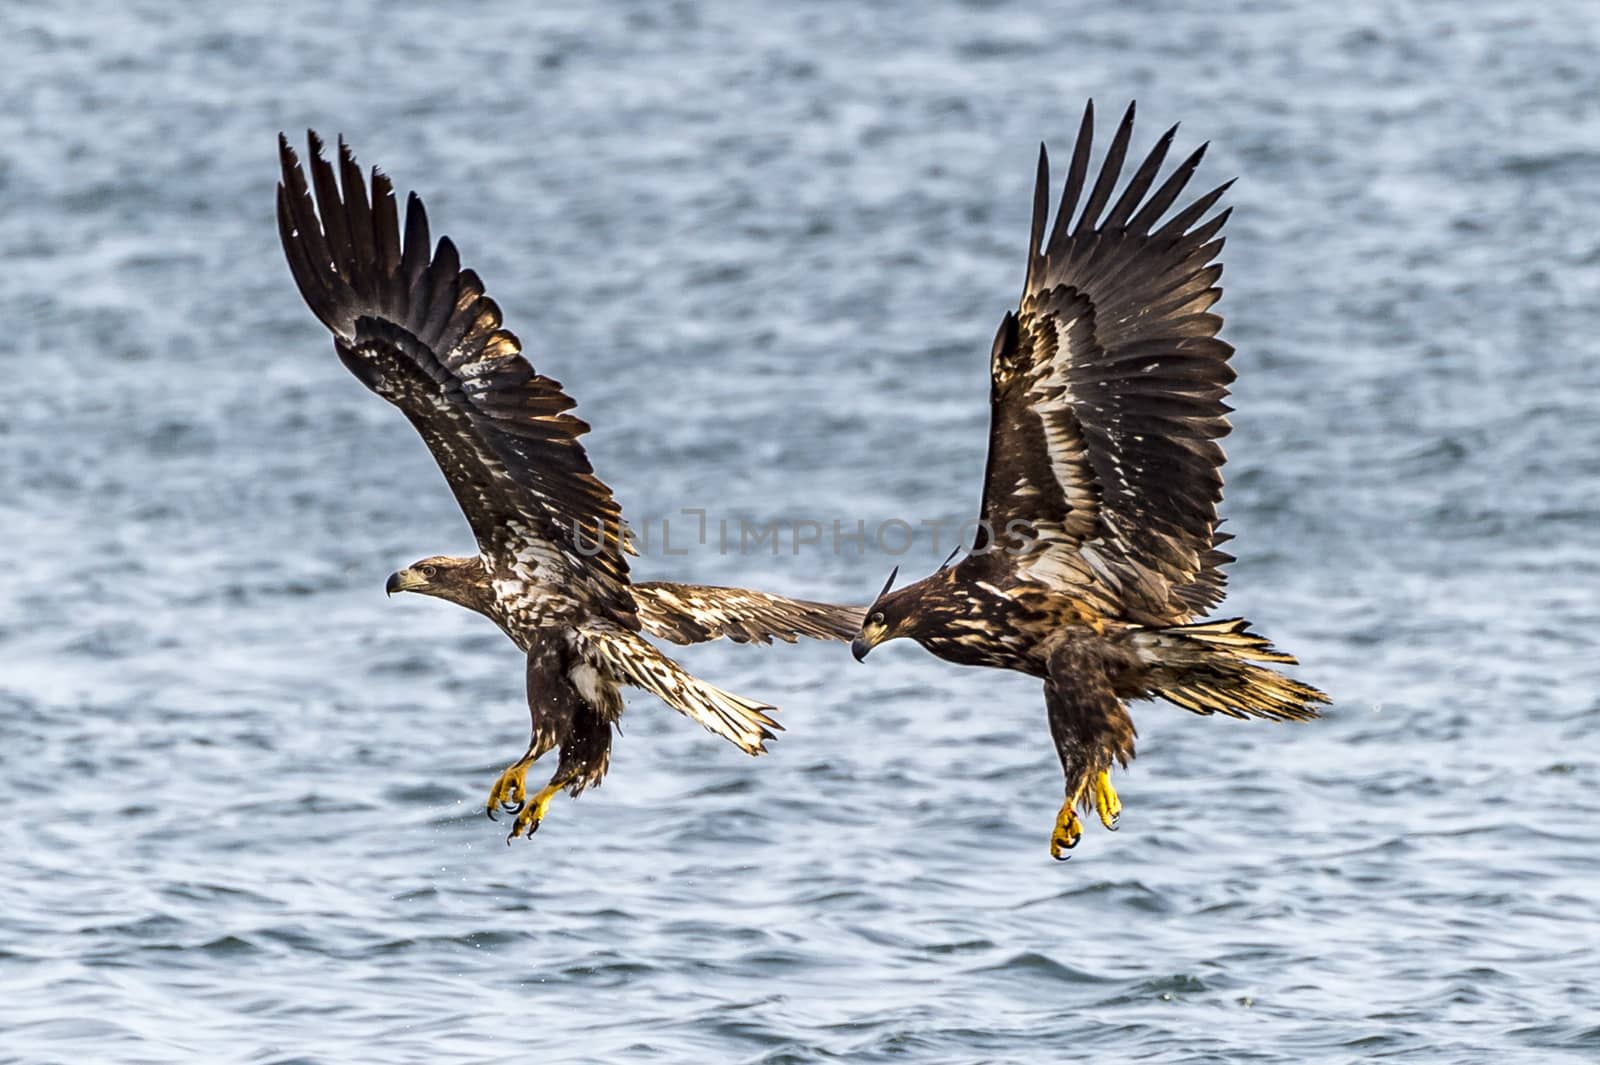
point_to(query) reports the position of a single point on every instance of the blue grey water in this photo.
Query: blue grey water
(766, 249)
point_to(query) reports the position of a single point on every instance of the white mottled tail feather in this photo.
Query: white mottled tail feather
(632, 660)
(1210, 668)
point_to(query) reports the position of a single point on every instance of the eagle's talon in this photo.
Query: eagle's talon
(509, 789)
(1106, 802)
(530, 814)
(1067, 832)
(519, 829)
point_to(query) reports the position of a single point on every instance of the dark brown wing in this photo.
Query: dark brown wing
(695, 613)
(1107, 392)
(419, 331)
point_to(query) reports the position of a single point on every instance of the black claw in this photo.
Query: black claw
(1062, 857)
(492, 817)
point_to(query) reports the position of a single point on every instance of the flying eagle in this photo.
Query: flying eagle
(551, 567)
(1098, 544)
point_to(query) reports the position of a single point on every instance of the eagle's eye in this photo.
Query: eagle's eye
(876, 619)
(430, 572)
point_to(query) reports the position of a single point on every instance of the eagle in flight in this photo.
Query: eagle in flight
(1097, 545)
(551, 567)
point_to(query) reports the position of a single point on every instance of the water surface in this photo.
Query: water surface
(767, 252)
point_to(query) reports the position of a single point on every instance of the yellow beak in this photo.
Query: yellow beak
(406, 580)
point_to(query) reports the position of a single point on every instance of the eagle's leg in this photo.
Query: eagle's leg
(553, 704)
(584, 758)
(1091, 729)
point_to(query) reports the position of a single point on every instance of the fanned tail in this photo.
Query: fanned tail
(1210, 668)
(632, 660)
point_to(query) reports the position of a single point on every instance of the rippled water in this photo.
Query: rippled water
(767, 252)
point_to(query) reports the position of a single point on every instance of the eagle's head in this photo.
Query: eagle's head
(457, 579)
(890, 615)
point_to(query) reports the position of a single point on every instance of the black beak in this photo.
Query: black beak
(859, 648)
(392, 585)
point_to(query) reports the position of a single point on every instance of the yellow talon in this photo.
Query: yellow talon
(510, 790)
(1106, 803)
(527, 822)
(1067, 833)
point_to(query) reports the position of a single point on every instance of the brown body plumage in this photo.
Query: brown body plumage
(1098, 544)
(551, 569)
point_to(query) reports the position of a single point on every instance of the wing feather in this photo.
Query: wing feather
(696, 613)
(420, 331)
(1077, 172)
(1110, 170)
(1108, 388)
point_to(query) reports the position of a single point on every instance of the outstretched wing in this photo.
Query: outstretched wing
(695, 613)
(1107, 391)
(419, 331)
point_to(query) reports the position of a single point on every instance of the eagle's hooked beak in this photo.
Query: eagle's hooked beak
(871, 635)
(405, 580)
(875, 631)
